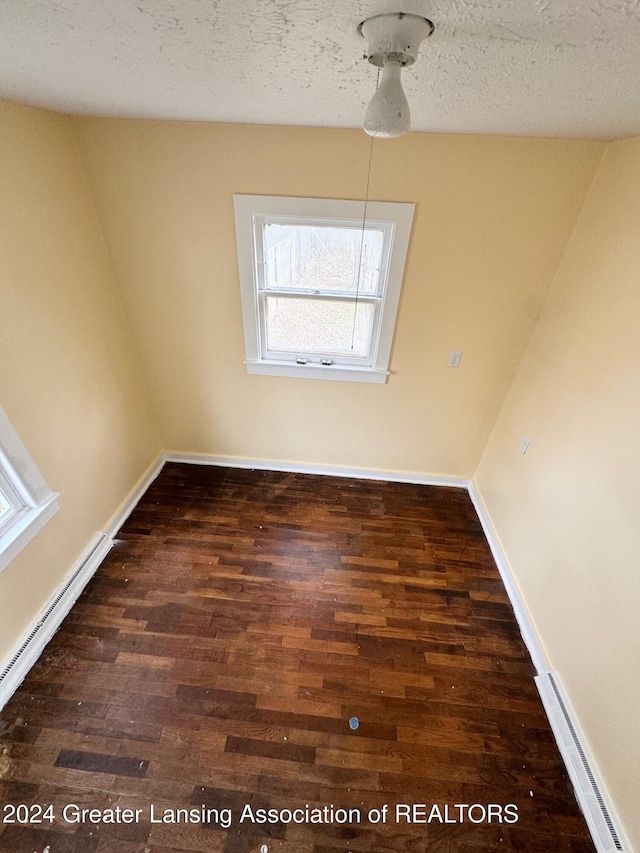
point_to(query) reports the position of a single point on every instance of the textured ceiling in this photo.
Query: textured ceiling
(524, 67)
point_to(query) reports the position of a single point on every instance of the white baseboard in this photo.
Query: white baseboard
(529, 633)
(31, 644)
(131, 501)
(324, 470)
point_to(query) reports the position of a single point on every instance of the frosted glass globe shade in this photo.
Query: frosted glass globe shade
(388, 113)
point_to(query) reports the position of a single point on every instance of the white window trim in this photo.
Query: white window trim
(248, 208)
(33, 500)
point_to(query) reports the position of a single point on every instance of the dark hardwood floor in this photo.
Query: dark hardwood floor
(217, 657)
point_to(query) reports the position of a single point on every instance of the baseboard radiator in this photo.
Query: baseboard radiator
(50, 619)
(600, 821)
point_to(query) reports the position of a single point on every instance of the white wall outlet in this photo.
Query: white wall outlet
(524, 444)
(454, 358)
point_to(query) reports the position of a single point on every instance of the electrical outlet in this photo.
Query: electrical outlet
(524, 444)
(454, 358)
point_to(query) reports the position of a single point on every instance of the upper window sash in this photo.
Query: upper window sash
(355, 225)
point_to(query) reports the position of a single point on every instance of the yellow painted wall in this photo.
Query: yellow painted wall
(568, 512)
(493, 216)
(69, 379)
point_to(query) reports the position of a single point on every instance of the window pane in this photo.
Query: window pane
(306, 257)
(319, 326)
(5, 504)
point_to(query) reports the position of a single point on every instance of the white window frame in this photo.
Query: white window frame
(394, 219)
(32, 501)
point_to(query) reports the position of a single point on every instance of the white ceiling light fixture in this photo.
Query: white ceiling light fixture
(394, 41)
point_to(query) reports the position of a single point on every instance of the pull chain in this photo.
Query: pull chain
(364, 224)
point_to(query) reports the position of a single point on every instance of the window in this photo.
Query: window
(320, 291)
(26, 502)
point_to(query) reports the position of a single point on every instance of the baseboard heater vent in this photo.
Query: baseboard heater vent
(43, 620)
(605, 836)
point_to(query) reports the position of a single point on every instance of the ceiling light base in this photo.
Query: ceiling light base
(396, 36)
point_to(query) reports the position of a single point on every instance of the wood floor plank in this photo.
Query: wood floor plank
(269, 640)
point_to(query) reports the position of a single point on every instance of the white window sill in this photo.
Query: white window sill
(25, 528)
(318, 371)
